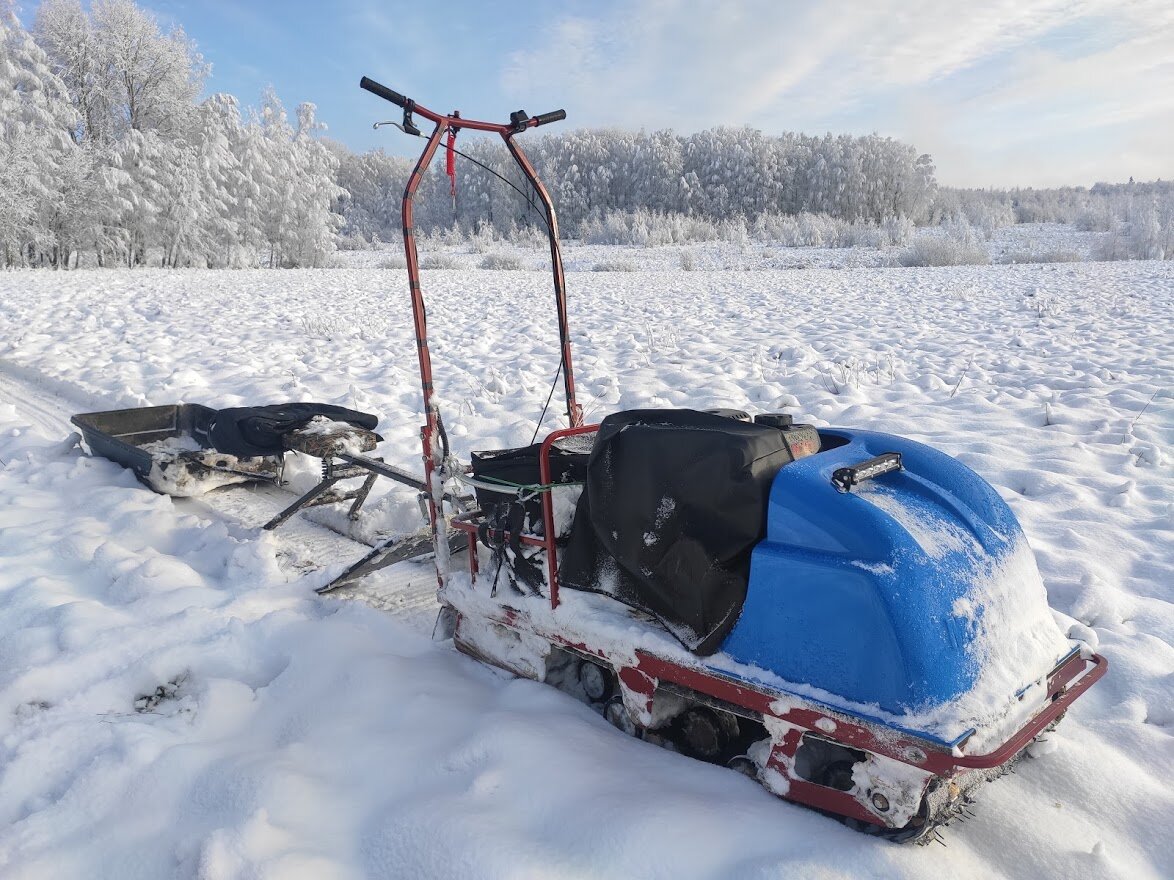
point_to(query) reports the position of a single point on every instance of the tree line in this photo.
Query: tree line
(109, 157)
(715, 174)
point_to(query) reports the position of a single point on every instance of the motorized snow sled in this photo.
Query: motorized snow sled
(852, 618)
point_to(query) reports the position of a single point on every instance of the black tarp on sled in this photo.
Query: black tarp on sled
(260, 430)
(673, 504)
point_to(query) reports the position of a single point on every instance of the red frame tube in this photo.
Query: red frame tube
(574, 411)
(420, 322)
(430, 431)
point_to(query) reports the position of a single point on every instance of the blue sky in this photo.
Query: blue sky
(1001, 93)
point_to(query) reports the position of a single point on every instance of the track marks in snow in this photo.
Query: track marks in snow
(38, 406)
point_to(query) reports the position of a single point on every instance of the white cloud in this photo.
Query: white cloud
(995, 86)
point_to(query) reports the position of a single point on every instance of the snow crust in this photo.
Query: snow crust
(297, 736)
(172, 445)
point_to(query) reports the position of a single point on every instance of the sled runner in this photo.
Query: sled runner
(188, 450)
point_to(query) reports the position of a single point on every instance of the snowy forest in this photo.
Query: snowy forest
(109, 157)
(106, 150)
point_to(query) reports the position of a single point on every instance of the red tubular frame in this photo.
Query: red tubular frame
(1065, 685)
(430, 431)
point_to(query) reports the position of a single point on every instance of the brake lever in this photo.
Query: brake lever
(415, 131)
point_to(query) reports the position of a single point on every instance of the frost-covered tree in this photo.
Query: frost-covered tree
(37, 154)
(372, 184)
(153, 77)
(103, 147)
(122, 71)
(218, 138)
(132, 88)
(292, 186)
(152, 176)
(65, 32)
(311, 232)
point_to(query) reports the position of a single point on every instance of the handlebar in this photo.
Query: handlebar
(383, 91)
(518, 121)
(553, 116)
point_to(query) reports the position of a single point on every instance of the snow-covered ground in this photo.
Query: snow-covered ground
(174, 702)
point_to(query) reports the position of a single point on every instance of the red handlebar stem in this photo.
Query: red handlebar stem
(429, 433)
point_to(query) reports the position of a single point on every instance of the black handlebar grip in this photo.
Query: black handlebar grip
(553, 116)
(383, 91)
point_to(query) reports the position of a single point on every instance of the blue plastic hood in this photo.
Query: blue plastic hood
(897, 592)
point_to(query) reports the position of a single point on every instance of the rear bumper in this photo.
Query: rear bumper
(1065, 685)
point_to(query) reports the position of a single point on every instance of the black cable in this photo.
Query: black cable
(538, 427)
(508, 183)
(529, 202)
(481, 165)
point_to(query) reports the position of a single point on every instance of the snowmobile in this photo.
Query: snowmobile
(852, 618)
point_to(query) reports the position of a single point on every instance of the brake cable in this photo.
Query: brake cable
(529, 202)
(507, 182)
(533, 208)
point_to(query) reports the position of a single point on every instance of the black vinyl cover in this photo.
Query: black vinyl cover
(249, 431)
(674, 502)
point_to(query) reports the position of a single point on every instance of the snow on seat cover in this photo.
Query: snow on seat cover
(248, 431)
(674, 502)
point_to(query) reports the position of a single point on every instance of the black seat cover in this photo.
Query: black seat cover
(674, 502)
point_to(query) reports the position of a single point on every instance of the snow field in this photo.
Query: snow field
(284, 735)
